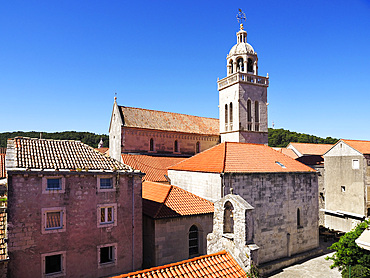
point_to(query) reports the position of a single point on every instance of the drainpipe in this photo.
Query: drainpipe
(133, 221)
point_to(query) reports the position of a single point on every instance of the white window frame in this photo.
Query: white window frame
(44, 212)
(44, 185)
(63, 271)
(106, 224)
(108, 264)
(355, 164)
(106, 177)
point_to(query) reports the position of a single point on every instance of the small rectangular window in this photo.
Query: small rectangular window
(54, 220)
(355, 164)
(54, 184)
(106, 255)
(106, 215)
(106, 183)
(343, 188)
(53, 264)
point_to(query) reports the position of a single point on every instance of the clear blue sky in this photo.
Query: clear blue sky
(61, 62)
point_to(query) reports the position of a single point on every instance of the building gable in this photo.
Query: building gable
(341, 148)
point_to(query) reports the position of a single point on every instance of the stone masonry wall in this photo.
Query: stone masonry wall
(205, 185)
(82, 234)
(172, 237)
(276, 198)
(138, 140)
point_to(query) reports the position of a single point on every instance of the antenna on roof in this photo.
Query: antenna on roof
(115, 95)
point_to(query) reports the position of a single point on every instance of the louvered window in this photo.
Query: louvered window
(193, 241)
(54, 220)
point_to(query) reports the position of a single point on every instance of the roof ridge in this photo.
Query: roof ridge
(50, 139)
(223, 252)
(354, 140)
(163, 203)
(166, 112)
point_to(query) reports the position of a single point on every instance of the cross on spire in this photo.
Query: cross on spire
(241, 16)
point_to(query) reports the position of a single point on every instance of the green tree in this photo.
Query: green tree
(349, 254)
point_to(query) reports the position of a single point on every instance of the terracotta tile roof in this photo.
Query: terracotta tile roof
(103, 150)
(2, 165)
(154, 167)
(163, 201)
(311, 149)
(220, 264)
(58, 154)
(360, 145)
(230, 157)
(288, 152)
(160, 120)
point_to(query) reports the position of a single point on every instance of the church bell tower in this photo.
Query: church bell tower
(243, 95)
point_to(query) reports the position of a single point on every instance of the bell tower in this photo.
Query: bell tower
(243, 94)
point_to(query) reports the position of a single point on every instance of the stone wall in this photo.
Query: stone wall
(115, 133)
(3, 245)
(238, 94)
(276, 197)
(345, 188)
(171, 238)
(205, 185)
(83, 233)
(135, 140)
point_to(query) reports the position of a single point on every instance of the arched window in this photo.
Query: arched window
(193, 241)
(197, 148)
(298, 218)
(228, 218)
(151, 145)
(176, 147)
(249, 114)
(231, 116)
(256, 116)
(250, 65)
(231, 67)
(240, 65)
(226, 117)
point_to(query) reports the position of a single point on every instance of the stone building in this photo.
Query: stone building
(347, 184)
(175, 224)
(243, 96)
(312, 155)
(71, 211)
(283, 192)
(143, 131)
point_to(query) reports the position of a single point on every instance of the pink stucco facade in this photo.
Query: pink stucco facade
(82, 235)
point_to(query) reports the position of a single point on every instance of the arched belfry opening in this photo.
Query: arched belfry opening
(250, 65)
(231, 67)
(240, 63)
(228, 218)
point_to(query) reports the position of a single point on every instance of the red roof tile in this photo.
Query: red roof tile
(163, 200)
(59, 154)
(103, 150)
(360, 145)
(160, 120)
(2, 165)
(220, 264)
(230, 157)
(155, 167)
(311, 149)
(288, 152)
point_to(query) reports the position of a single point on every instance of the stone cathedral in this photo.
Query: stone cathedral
(243, 96)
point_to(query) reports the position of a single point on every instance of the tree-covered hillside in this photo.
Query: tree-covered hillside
(281, 138)
(88, 138)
